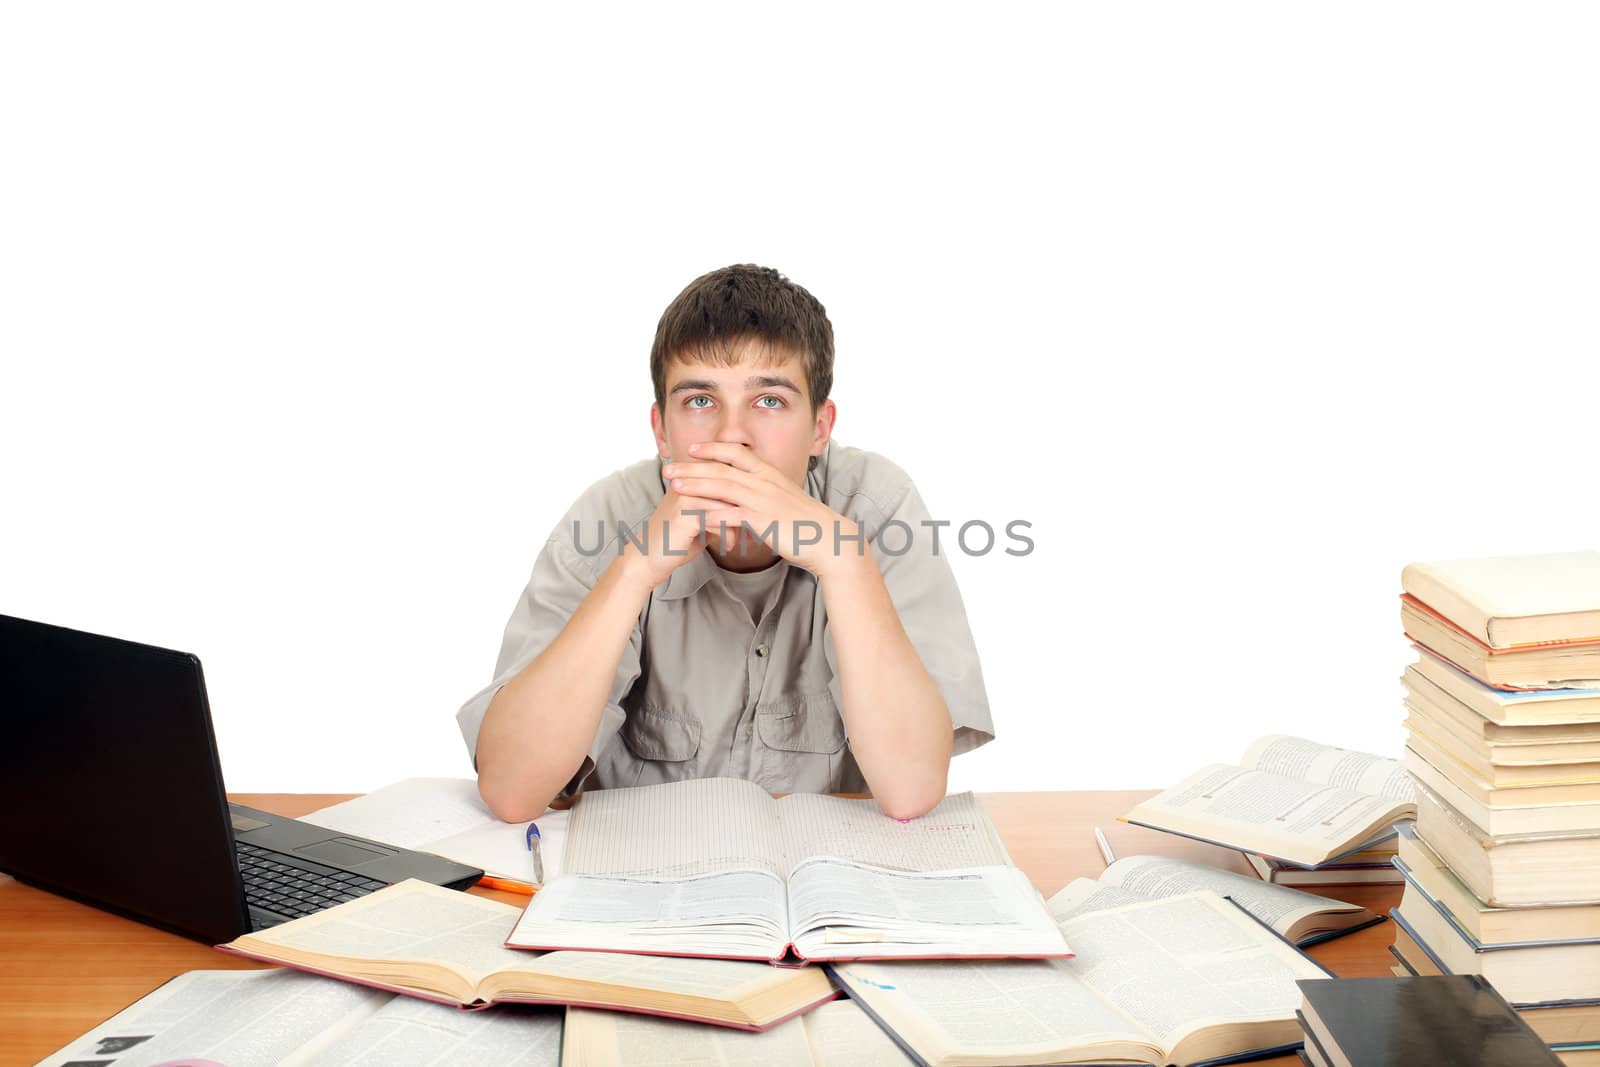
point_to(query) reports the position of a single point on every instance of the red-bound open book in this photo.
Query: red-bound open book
(441, 945)
(716, 867)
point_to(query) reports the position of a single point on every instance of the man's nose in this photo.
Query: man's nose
(733, 430)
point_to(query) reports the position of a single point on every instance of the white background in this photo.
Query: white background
(316, 317)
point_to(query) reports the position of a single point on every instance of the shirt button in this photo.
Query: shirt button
(762, 650)
(749, 728)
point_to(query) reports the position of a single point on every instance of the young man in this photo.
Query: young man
(728, 608)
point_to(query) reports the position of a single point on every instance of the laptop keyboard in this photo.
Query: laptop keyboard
(292, 887)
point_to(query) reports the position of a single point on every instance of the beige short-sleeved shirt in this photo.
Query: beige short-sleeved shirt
(703, 689)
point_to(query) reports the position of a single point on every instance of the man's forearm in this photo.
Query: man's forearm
(539, 726)
(897, 720)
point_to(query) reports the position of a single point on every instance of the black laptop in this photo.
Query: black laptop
(112, 794)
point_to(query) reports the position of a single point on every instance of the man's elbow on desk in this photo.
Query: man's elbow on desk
(908, 807)
(908, 776)
(514, 799)
(910, 798)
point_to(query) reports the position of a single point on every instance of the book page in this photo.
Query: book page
(675, 830)
(726, 980)
(614, 1039)
(1268, 813)
(1083, 895)
(1157, 877)
(1185, 962)
(447, 817)
(409, 813)
(736, 908)
(842, 1035)
(1006, 1011)
(835, 908)
(241, 1018)
(414, 921)
(956, 833)
(837, 1034)
(416, 1033)
(1295, 757)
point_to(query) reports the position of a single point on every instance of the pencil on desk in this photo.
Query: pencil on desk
(508, 885)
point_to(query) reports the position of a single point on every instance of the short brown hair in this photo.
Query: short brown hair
(739, 302)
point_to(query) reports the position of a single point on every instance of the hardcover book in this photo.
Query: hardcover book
(437, 944)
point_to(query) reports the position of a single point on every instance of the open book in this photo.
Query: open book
(290, 1019)
(437, 944)
(1303, 918)
(1184, 980)
(838, 1034)
(716, 867)
(1290, 799)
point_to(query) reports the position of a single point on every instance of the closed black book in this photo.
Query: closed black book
(1457, 1019)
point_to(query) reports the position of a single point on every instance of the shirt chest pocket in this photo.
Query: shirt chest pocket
(801, 744)
(664, 743)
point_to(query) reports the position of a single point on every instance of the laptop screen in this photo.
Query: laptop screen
(110, 782)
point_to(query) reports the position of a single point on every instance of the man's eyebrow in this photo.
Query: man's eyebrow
(758, 381)
(770, 381)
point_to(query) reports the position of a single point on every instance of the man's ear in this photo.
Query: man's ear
(823, 430)
(658, 427)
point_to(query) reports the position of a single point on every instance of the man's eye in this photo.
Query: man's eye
(690, 403)
(778, 401)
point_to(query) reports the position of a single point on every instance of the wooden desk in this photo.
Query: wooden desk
(65, 967)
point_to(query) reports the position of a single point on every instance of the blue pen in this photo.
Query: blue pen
(533, 847)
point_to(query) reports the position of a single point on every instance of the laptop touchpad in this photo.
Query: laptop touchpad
(341, 851)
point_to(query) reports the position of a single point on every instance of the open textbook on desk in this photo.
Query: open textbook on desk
(1299, 918)
(717, 867)
(278, 1018)
(437, 944)
(1185, 980)
(1290, 799)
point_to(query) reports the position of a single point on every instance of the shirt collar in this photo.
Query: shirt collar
(687, 579)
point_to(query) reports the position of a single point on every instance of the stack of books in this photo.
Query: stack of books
(1502, 868)
(1373, 865)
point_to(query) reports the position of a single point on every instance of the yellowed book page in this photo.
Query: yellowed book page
(1308, 761)
(1186, 963)
(615, 1039)
(1269, 813)
(1158, 877)
(842, 1035)
(1152, 973)
(731, 981)
(1007, 1011)
(413, 921)
(416, 1033)
(1083, 895)
(226, 1016)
